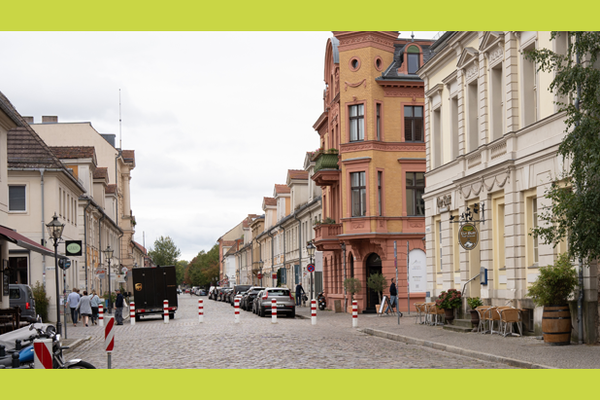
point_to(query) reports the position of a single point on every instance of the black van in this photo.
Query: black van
(22, 296)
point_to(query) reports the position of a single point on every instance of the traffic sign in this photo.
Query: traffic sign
(259, 276)
(310, 268)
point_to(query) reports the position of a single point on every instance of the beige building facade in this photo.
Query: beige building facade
(492, 131)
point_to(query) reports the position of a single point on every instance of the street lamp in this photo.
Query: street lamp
(260, 267)
(55, 230)
(108, 253)
(310, 248)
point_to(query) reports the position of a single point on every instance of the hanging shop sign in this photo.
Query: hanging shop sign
(468, 236)
(73, 248)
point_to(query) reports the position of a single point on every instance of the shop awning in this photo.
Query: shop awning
(25, 242)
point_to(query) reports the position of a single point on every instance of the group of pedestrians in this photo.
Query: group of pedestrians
(84, 307)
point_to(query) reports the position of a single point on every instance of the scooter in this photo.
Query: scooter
(14, 355)
(321, 300)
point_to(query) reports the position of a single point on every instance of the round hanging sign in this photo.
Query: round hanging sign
(468, 236)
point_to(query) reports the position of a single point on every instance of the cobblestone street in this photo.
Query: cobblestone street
(255, 342)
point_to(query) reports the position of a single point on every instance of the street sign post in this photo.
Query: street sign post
(310, 268)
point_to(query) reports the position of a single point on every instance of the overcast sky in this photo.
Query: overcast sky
(215, 118)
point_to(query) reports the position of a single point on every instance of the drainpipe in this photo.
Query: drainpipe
(100, 242)
(85, 236)
(284, 255)
(299, 244)
(43, 231)
(272, 257)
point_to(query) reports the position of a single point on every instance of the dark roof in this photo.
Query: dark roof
(27, 150)
(8, 109)
(392, 71)
(73, 152)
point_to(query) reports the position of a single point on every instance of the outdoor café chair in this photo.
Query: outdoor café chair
(421, 313)
(495, 318)
(508, 317)
(435, 314)
(482, 311)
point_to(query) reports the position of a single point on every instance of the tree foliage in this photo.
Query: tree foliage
(180, 267)
(164, 252)
(377, 282)
(352, 286)
(204, 268)
(554, 284)
(574, 214)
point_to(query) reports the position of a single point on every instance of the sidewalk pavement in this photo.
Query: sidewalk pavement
(520, 352)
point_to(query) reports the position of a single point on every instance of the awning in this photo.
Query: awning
(25, 242)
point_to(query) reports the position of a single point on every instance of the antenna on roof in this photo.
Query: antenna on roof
(120, 134)
(412, 36)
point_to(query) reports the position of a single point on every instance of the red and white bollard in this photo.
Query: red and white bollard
(313, 312)
(109, 338)
(354, 313)
(274, 311)
(166, 310)
(200, 310)
(42, 354)
(236, 307)
(100, 315)
(132, 312)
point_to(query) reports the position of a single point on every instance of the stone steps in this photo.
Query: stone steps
(460, 325)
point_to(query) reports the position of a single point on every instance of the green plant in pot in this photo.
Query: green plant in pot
(473, 303)
(448, 301)
(551, 290)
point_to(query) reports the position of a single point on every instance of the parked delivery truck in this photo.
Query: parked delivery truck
(150, 287)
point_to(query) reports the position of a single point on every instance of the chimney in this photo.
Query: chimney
(29, 120)
(49, 119)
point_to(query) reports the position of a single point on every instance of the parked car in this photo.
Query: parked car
(21, 295)
(211, 292)
(286, 305)
(201, 292)
(238, 290)
(248, 297)
(179, 291)
(256, 301)
(223, 292)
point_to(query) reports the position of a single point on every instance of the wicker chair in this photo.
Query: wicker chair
(508, 317)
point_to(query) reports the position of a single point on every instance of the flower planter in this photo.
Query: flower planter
(449, 314)
(474, 318)
(556, 325)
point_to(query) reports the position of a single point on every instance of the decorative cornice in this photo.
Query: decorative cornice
(382, 146)
(355, 85)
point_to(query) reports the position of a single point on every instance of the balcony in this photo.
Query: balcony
(327, 172)
(326, 236)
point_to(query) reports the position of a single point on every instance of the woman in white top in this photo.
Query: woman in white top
(95, 301)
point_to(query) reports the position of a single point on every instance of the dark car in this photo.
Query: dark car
(222, 293)
(237, 291)
(255, 302)
(21, 296)
(286, 305)
(248, 297)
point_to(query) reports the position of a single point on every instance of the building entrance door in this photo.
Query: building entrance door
(373, 267)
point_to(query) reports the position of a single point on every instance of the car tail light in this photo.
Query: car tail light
(291, 297)
(265, 296)
(27, 306)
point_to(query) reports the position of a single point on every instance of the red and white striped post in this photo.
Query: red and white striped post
(42, 354)
(132, 312)
(313, 311)
(274, 311)
(354, 313)
(200, 310)
(236, 307)
(109, 338)
(100, 315)
(166, 310)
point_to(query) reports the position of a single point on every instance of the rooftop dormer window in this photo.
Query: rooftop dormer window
(413, 59)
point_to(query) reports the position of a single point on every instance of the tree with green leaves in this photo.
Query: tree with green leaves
(575, 198)
(164, 252)
(204, 268)
(180, 267)
(352, 286)
(377, 282)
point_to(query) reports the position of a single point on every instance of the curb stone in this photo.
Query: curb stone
(456, 350)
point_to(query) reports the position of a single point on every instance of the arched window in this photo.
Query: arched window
(413, 59)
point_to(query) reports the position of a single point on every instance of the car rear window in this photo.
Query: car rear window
(15, 294)
(279, 292)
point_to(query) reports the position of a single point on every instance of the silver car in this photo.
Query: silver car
(286, 304)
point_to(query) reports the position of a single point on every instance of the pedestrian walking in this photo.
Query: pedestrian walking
(299, 292)
(393, 297)
(73, 302)
(85, 307)
(119, 308)
(95, 303)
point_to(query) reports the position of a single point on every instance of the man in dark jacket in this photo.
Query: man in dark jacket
(393, 297)
(119, 308)
(299, 292)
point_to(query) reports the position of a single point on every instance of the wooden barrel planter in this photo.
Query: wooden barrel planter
(556, 325)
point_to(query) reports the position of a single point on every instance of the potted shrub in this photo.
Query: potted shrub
(473, 303)
(551, 290)
(352, 286)
(377, 283)
(448, 301)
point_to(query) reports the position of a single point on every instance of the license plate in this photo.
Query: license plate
(280, 306)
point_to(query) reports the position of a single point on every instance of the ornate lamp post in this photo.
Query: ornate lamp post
(55, 230)
(108, 253)
(310, 248)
